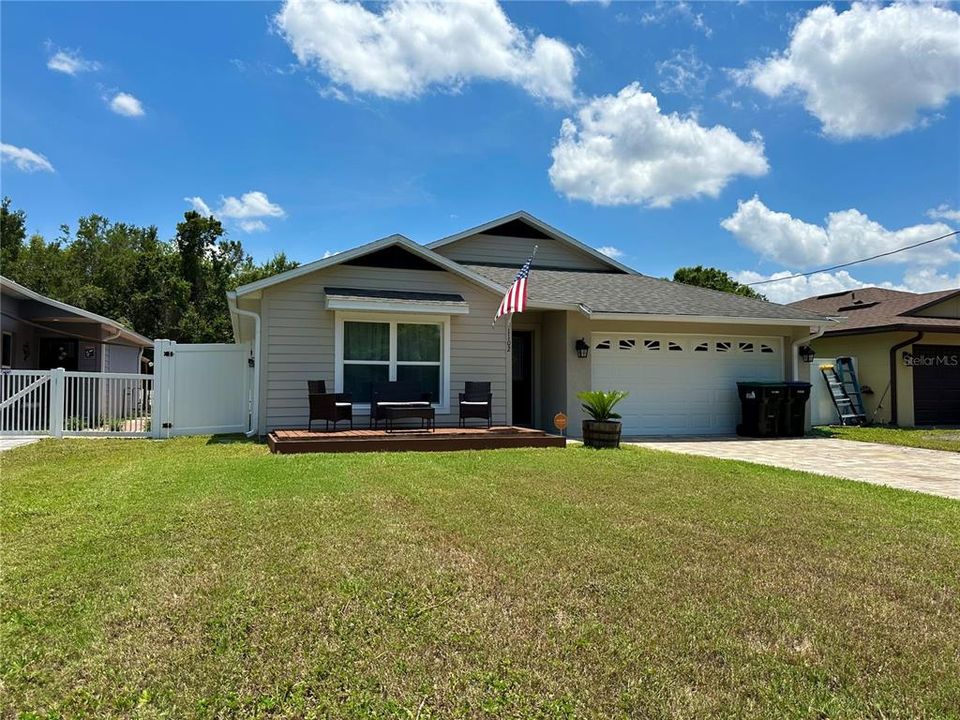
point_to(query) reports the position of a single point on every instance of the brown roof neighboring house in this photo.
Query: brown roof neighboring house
(873, 309)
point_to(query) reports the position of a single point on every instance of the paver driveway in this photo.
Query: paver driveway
(931, 471)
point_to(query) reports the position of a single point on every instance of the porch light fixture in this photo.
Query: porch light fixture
(807, 353)
(582, 348)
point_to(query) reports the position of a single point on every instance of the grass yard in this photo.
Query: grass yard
(930, 438)
(193, 579)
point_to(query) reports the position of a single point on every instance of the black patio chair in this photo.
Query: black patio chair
(329, 407)
(476, 401)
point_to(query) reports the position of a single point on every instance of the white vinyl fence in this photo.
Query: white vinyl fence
(196, 389)
(25, 402)
(58, 403)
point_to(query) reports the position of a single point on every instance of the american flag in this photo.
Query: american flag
(516, 298)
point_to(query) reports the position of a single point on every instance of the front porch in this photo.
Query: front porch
(440, 439)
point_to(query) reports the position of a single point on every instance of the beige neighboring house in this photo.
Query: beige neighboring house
(906, 348)
(395, 309)
(40, 333)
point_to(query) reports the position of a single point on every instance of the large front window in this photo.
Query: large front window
(380, 350)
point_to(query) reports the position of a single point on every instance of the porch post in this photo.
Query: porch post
(57, 384)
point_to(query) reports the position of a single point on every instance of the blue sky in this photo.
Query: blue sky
(672, 134)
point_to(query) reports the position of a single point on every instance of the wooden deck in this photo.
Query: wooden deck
(306, 441)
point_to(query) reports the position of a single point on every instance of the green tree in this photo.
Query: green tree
(163, 289)
(13, 231)
(715, 280)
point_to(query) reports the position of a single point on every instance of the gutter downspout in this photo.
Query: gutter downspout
(795, 350)
(103, 350)
(893, 373)
(255, 414)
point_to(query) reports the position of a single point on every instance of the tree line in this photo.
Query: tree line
(174, 288)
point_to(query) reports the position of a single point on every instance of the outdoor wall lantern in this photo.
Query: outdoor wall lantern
(807, 353)
(582, 348)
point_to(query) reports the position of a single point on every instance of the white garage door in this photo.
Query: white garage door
(682, 384)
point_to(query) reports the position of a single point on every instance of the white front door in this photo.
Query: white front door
(682, 384)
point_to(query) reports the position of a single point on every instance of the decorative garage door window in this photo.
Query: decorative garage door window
(680, 344)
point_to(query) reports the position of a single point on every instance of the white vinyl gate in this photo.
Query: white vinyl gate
(195, 389)
(202, 388)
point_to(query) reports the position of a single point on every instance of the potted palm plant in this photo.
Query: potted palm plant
(603, 430)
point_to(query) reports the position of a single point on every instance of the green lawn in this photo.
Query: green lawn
(930, 438)
(193, 579)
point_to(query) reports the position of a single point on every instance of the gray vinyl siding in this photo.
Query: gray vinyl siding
(298, 339)
(483, 249)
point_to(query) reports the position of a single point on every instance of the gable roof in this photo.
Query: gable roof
(616, 295)
(14, 289)
(876, 309)
(538, 225)
(375, 246)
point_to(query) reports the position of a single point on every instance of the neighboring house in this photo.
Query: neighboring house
(40, 333)
(394, 309)
(906, 347)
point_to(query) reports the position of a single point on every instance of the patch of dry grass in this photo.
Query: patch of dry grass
(186, 579)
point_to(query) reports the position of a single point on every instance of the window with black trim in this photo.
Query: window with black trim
(379, 351)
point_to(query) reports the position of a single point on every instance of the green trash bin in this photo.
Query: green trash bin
(794, 409)
(760, 404)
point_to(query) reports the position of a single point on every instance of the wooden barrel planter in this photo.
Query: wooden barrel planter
(601, 434)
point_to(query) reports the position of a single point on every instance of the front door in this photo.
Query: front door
(57, 353)
(522, 343)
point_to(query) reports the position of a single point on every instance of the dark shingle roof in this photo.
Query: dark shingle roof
(877, 309)
(403, 296)
(639, 294)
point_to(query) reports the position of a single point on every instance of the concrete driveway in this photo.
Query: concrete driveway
(930, 471)
(9, 442)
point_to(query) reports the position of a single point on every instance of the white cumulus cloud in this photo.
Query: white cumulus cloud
(847, 235)
(872, 70)
(248, 210)
(126, 104)
(71, 62)
(944, 212)
(621, 149)
(24, 158)
(405, 47)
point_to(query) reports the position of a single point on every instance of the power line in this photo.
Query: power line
(854, 262)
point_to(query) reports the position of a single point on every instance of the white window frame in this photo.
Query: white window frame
(442, 407)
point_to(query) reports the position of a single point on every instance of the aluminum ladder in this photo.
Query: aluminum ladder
(845, 391)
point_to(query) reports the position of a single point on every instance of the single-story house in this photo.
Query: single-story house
(40, 333)
(395, 309)
(906, 350)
